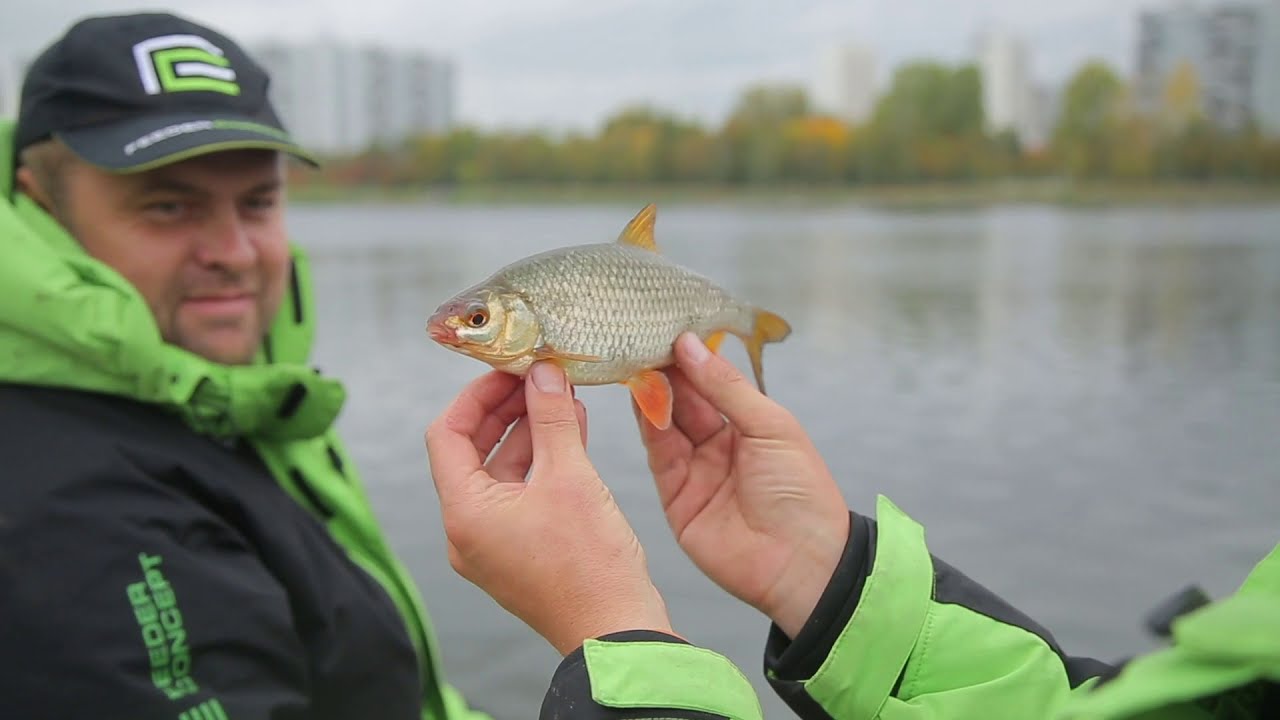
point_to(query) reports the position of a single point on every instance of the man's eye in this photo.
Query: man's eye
(164, 209)
(261, 203)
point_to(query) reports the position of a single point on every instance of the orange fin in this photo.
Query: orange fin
(652, 393)
(546, 352)
(713, 341)
(639, 232)
(768, 328)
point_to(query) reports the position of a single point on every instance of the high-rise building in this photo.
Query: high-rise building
(1046, 107)
(1167, 39)
(1231, 46)
(1266, 75)
(846, 84)
(307, 91)
(11, 72)
(1008, 94)
(440, 95)
(1221, 46)
(410, 94)
(339, 98)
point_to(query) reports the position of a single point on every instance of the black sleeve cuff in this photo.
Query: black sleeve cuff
(797, 660)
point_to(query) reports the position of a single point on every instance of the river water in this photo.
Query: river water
(1080, 406)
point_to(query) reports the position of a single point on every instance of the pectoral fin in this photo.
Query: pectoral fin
(652, 393)
(546, 352)
(713, 341)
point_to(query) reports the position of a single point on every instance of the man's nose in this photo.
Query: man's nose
(227, 241)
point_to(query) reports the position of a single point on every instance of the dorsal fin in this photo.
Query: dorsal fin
(639, 232)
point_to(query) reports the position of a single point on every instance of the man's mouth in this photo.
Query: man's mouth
(220, 304)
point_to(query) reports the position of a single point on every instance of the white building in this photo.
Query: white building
(307, 90)
(1008, 93)
(410, 94)
(846, 83)
(1266, 75)
(338, 98)
(11, 71)
(1046, 107)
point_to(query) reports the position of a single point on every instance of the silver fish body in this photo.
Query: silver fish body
(621, 304)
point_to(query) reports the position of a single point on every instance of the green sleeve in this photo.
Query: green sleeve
(921, 641)
(644, 674)
(455, 706)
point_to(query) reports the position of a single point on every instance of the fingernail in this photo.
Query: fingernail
(547, 377)
(694, 349)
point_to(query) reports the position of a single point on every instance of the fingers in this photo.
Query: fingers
(478, 410)
(499, 419)
(452, 439)
(555, 432)
(512, 460)
(580, 411)
(696, 417)
(668, 454)
(726, 389)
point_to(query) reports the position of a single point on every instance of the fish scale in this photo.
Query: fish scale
(620, 303)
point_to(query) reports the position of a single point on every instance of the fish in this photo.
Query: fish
(606, 312)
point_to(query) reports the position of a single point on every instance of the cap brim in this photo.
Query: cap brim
(145, 143)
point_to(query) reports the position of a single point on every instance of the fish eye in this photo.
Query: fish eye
(477, 316)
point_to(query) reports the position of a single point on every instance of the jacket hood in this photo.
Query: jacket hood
(68, 320)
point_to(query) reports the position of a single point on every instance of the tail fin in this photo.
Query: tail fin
(768, 328)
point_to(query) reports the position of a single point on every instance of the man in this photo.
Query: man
(182, 534)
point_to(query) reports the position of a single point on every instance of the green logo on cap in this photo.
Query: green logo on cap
(183, 63)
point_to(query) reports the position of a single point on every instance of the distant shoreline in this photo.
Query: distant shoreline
(909, 197)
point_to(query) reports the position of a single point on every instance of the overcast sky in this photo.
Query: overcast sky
(569, 63)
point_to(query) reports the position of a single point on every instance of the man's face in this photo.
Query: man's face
(203, 240)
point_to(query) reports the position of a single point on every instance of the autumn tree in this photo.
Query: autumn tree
(814, 149)
(929, 125)
(1181, 104)
(752, 139)
(1086, 129)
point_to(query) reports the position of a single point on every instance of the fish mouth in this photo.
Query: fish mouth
(440, 329)
(442, 325)
(442, 333)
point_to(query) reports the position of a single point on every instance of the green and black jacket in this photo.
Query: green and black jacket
(186, 540)
(901, 635)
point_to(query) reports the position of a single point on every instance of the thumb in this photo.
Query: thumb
(727, 389)
(553, 420)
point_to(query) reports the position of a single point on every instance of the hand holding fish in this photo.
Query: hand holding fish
(749, 498)
(555, 550)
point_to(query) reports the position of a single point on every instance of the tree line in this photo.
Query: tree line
(928, 126)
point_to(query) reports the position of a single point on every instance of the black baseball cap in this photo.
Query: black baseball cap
(132, 92)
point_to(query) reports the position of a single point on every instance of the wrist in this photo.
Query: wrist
(642, 611)
(796, 594)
